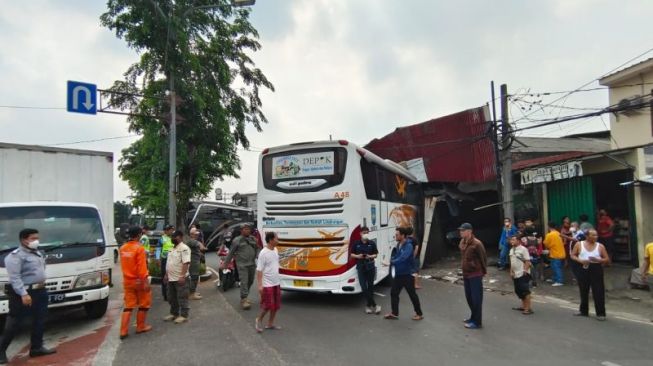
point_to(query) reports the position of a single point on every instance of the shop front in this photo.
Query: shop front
(587, 186)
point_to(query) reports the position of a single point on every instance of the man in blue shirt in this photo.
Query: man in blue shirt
(27, 294)
(365, 253)
(402, 262)
(504, 242)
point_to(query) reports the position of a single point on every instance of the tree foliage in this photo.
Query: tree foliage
(121, 212)
(205, 46)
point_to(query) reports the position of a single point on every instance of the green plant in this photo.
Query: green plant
(154, 266)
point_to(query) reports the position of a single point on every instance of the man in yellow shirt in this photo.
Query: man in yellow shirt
(556, 247)
(647, 268)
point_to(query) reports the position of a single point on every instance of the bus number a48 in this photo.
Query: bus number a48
(341, 195)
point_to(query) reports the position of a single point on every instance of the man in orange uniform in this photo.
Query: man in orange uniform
(133, 261)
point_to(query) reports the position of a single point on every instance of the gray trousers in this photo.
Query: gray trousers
(194, 280)
(178, 298)
(247, 275)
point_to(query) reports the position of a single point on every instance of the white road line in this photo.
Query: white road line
(634, 320)
(608, 363)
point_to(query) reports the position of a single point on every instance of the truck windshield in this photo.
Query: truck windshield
(57, 225)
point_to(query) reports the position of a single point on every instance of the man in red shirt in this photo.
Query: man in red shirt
(606, 232)
(138, 294)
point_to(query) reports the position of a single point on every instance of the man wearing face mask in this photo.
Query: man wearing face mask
(27, 294)
(365, 252)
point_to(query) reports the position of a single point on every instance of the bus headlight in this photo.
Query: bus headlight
(91, 279)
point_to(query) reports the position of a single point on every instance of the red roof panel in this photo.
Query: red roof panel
(455, 148)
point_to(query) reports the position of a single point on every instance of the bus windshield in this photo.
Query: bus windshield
(57, 225)
(304, 170)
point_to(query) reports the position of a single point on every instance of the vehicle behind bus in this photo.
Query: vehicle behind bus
(316, 196)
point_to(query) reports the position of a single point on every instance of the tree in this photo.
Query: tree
(204, 44)
(121, 212)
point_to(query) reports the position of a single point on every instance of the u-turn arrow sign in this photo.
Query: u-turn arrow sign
(82, 97)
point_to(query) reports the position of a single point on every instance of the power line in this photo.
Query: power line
(591, 81)
(96, 140)
(28, 107)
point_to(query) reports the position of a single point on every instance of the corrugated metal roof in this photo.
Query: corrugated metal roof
(559, 144)
(523, 164)
(455, 148)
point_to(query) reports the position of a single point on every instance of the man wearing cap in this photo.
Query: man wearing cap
(474, 265)
(27, 294)
(137, 292)
(165, 243)
(245, 249)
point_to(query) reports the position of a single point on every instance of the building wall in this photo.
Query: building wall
(635, 130)
(643, 206)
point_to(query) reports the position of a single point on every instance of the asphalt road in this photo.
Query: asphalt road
(333, 330)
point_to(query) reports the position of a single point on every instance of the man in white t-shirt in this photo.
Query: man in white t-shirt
(269, 283)
(176, 278)
(520, 268)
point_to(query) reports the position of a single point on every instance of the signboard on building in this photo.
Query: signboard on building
(648, 158)
(550, 173)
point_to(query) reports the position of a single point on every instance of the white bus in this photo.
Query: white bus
(317, 195)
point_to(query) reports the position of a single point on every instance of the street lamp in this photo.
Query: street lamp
(172, 169)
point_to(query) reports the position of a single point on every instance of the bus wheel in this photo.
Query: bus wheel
(96, 309)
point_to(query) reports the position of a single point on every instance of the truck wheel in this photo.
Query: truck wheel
(96, 309)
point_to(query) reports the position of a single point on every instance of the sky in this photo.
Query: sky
(353, 70)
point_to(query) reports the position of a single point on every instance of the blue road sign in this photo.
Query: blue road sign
(82, 97)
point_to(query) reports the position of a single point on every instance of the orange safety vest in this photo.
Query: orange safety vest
(133, 261)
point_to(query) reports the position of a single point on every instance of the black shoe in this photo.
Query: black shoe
(41, 352)
(3, 358)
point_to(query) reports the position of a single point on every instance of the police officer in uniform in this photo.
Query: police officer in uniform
(27, 294)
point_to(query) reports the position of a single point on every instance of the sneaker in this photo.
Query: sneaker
(472, 325)
(180, 319)
(549, 280)
(368, 310)
(601, 318)
(245, 305)
(557, 284)
(377, 310)
(169, 318)
(195, 296)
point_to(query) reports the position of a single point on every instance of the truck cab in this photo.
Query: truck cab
(74, 242)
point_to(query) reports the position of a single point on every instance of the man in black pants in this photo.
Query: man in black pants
(365, 253)
(402, 268)
(27, 294)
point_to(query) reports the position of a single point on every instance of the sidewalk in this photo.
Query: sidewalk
(620, 298)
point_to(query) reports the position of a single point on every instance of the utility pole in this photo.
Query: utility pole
(497, 148)
(172, 169)
(506, 169)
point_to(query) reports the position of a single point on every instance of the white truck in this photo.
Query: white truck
(67, 195)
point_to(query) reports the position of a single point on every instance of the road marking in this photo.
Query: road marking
(608, 363)
(634, 320)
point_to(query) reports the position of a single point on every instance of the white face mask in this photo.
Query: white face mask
(33, 244)
(365, 236)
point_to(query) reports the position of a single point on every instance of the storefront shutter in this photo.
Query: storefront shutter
(571, 197)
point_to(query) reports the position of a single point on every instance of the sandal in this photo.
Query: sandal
(418, 317)
(390, 316)
(527, 312)
(257, 326)
(273, 327)
(518, 309)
